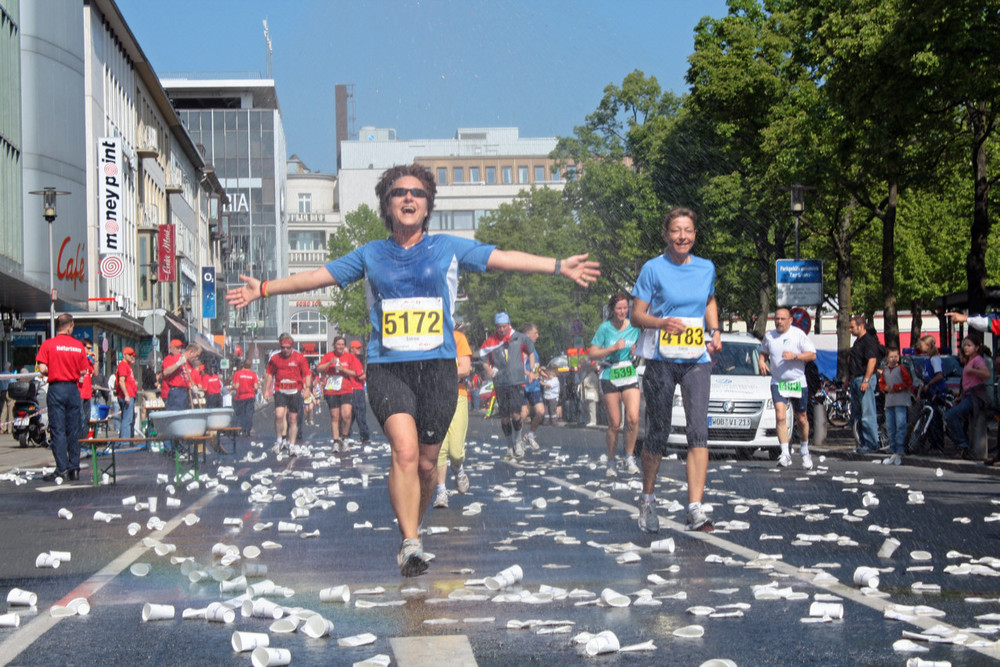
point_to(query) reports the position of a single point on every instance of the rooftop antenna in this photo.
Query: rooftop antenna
(267, 38)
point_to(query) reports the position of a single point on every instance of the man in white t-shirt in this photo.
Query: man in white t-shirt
(787, 349)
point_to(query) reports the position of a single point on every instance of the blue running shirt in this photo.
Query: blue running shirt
(673, 290)
(411, 292)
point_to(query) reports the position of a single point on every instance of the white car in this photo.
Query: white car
(740, 409)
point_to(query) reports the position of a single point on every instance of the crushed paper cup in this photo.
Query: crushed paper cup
(921, 555)
(251, 551)
(613, 598)
(17, 597)
(826, 610)
(603, 642)
(265, 656)
(284, 626)
(690, 632)
(341, 593)
(363, 639)
(317, 626)
(65, 514)
(628, 558)
(248, 641)
(157, 612)
(378, 660)
(46, 560)
(504, 578)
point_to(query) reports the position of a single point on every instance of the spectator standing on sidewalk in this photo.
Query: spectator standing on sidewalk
(126, 390)
(787, 350)
(861, 367)
(63, 361)
(613, 345)
(550, 393)
(975, 373)
(896, 384)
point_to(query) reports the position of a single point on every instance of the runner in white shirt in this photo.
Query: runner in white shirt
(788, 350)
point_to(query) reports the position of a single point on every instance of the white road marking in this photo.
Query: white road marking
(433, 651)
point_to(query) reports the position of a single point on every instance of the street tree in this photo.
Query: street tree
(349, 311)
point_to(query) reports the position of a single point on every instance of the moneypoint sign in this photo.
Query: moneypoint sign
(799, 282)
(109, 157)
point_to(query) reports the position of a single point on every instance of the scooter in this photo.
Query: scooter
(31, 423)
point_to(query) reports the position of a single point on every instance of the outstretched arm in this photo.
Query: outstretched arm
(300, 282)
(575, 267)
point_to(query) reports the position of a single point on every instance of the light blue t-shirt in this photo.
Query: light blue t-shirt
(428, 269)
(607, 335)
(673, 290)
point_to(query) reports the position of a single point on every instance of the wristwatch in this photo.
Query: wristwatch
(711, 332)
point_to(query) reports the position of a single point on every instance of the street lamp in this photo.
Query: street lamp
(49, 195)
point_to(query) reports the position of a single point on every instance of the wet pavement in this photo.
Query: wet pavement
(785, 540)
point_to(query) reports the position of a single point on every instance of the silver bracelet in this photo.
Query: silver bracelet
(558, 267)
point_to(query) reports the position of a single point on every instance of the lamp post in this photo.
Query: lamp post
(798, 208)
(49, 195)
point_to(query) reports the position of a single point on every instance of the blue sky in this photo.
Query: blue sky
(427, 67)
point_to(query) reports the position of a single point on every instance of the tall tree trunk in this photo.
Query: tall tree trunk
(845, 272)
(764, 295)
(975, 264)
(916, 321)
(891, 319)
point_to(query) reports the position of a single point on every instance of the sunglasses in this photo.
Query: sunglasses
(419, 193)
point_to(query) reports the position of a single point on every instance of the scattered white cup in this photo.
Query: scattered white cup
(10, 620)
(603, 642)
(46, 560)
(866, 577)
(152, 504)
(217, 612)
(157, 612)
(131, 500)
(341, 593)
(888, 547)
(826, 610)
(317, 626)
(65, 514)
(265, 656)
(663, 546)
(248, 641)
(505, 578)
(18, 597)
(613, 598)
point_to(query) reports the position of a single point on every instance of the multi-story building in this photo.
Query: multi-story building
(476, 170)
(96, 124)
(313, 216)
(236, 124)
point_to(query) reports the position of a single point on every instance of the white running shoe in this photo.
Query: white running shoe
(519, 449)
(411, 557)
(648, 521)
(893, 460)
(611, 472)
(461, 481)
(699, 521)
(441, 498)
(532, 442)
(785, 460)
(630, 465)
(807, 462)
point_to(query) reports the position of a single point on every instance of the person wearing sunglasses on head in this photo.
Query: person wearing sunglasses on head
(411, 279)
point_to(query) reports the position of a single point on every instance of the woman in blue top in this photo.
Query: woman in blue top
(411, 280)
(674, 303)
(613, 345)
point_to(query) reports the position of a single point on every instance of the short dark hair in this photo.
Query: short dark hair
(391, 175)
(285, 336)
(615, 298)
(63, 321)
(679, 212)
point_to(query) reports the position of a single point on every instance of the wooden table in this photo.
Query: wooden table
(185, 454)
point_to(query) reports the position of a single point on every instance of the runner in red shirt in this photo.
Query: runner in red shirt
(244, 387)
(286, 375)
(63, 361)
(212, 385)
(125, 391)
(341, 370)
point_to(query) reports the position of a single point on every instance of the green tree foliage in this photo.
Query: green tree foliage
(541, 222)
(349, 312)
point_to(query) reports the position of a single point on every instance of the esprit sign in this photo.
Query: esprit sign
(109, 160)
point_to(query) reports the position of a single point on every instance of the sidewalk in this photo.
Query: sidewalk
(13, 456)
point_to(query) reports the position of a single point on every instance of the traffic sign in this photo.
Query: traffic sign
(801, 319)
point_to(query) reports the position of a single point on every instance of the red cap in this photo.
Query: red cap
(355, 343)
(176, 343)
(128, 350)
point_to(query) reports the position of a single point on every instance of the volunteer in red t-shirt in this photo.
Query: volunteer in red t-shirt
(360, 407)
(212, 385)
(63, 361)
(341, 370)
(286, 375)
(176, 382)
(244, 387)
(125, 390)
(87, 386)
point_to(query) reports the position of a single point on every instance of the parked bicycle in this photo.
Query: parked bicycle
(836, 402)
(927, 433)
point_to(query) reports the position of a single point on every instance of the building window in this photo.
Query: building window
(458, 175)
(539, 174)
(442, 178)
(311, 240)
(507, 174)
(308, 323)
(474, 175)
(522, 174)
(491, 175)
(305, 202)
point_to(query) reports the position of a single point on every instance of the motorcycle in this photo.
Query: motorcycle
(31, 423)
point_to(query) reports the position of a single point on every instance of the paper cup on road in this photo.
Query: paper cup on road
(340, 593)
(134, 528)
(613, 598)
(248, 641)
(888, 547)
(539, 503)
(254, 569)
(157, 612)
(218, 612)
(663, 546)
(62, 556)
(139, 569)
(18, 597)
(173, 502)
(264, 608)
(826, 610)
(235, 584)
(504, 578)
(10, 620)
(317, 626)
(869, 499)
(46, 560)
(65, 514)
(603, 642)
(251, 552)
(364, 480)
(353, 506)
(284, 626)
(866, 577)
(131, 500)
(289, 527)
(163, 549)
(79, 606)
(265, 656)
(152, 503)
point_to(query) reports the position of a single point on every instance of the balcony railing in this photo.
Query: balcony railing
(308, 257)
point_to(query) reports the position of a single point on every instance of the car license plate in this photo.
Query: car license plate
(729, 422)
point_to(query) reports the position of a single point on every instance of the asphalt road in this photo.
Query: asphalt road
(785, 540)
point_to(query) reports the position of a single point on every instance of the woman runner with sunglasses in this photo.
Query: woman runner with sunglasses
(412, 280)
